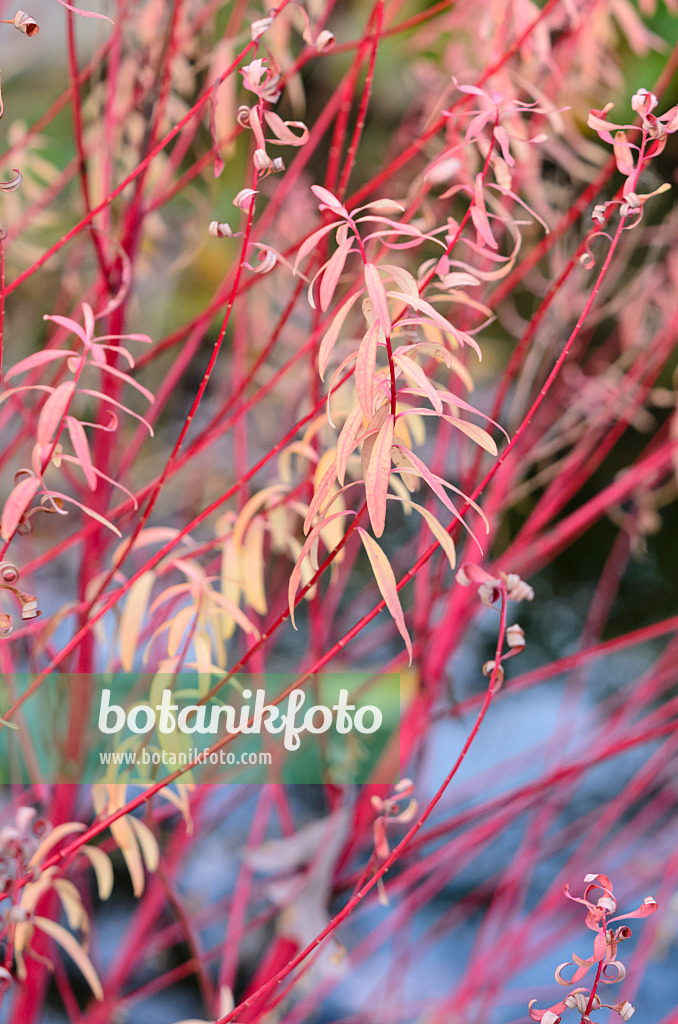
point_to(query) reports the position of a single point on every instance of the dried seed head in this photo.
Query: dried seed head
(26, 24)
(5, 625)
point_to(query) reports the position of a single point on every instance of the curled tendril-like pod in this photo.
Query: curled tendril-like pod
(325, 41)
(257, 28)
(245, 198)
(266, 165)
(267, 259)
(8, 572)
(243, 116)
(619, 972)
(13, 184)
(587, 260)
(219, 230)
(579, 1000)
(26, 24)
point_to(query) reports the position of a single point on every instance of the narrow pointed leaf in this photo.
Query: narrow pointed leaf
(53, 412)
(386, 581)
(333, 272)
(364, 369)
(18, 501)
(347, 441)
(330, 336)
(378, 473)
(377, 294)
(78, 437)
(74, 950)
(37, 359)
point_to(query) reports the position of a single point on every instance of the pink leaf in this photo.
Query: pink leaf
(121, 375)
(37, 359)
(417, 375)
(431, 479)
(376, 479)
(502, 137)
(18, 501)
(622, 154)
(295, 578)
(321, 492)
(329, 200)
(364, 369)
(436, 528)
(118, 405)
(599, 946)
(85, 14)
(333, 272)
(310, 243)
(330, 336)
(53, 412)
(475, 432)
(70, 325)
(87, 510)
(386, 581)
(80, 444)
(647, 907)
(479, 215)
(347, 441)
(284, 136)
(377, 294)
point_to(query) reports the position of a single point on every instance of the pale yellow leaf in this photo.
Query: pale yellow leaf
(103, 869)
(132, 618)
(74, 950)
(55, 836)
(147, 842)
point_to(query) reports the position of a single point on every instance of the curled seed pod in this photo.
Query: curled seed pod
(243, 116)
(26, 24)
(8, 572)
(325, 41)
(624, 1009)
(29, 606)
(245, 198)
(13, 184)
(488, 669)
(262, 160)
(267, 261)
(257, 28)
(515, 637)
(219, 230)
(517, 589)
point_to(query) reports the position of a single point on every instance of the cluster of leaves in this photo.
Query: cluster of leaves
(466, 235)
